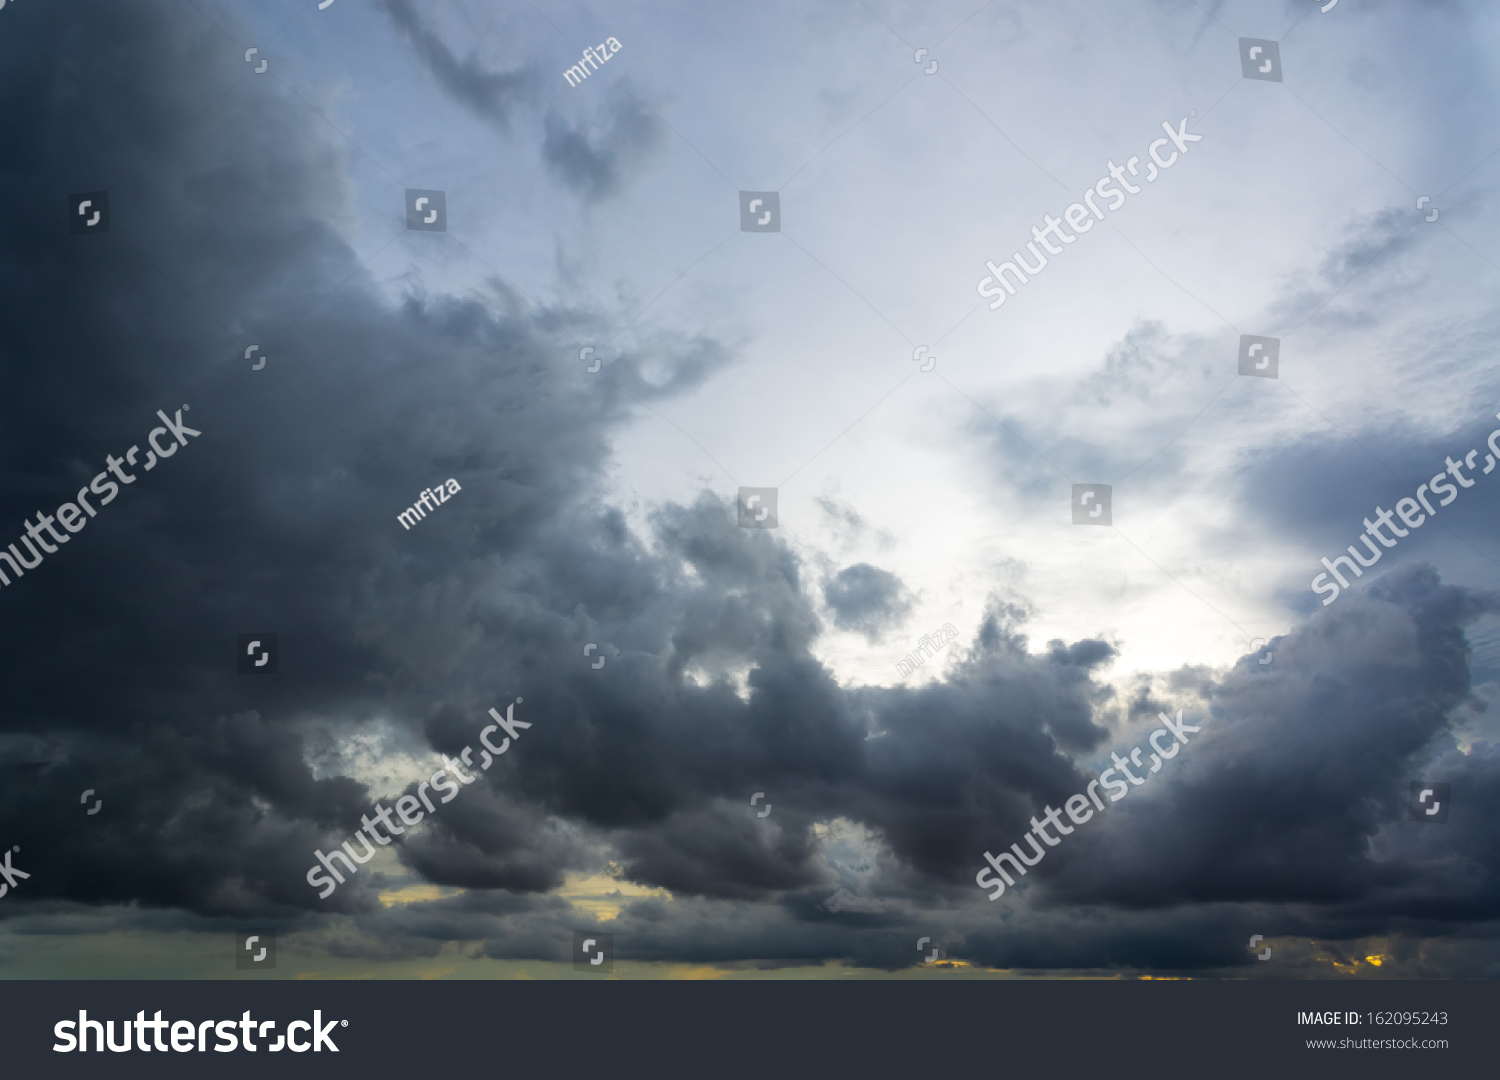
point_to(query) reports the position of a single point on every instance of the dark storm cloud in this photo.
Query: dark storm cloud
(724, 851)
(1292, 802)
(281, 516)
(1322, 488)
(656, 759)
(488, 841)
(117, 653)
(1286, 815)
(867, 599)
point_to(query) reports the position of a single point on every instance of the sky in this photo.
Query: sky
(754, 751)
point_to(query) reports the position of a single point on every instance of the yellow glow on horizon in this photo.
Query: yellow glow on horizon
(417, 894)
(603, 895)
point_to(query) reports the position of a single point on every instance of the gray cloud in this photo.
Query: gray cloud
(867, 599)
(1286, 812)
(597, 160)
(594, 158)
(495, 96)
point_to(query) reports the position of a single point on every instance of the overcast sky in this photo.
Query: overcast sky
(1347, 210)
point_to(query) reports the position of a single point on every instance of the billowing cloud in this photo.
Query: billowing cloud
(867, 599)
(707, 683)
